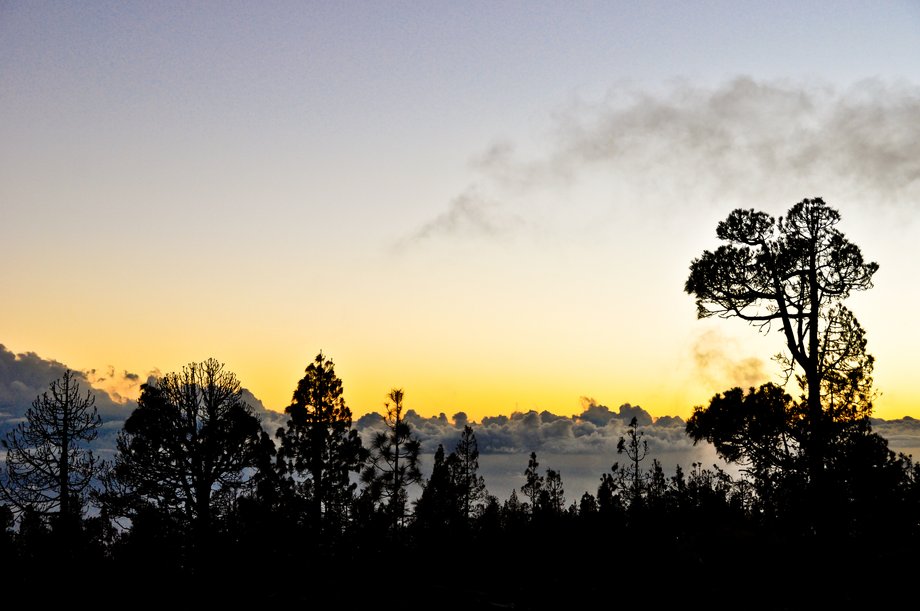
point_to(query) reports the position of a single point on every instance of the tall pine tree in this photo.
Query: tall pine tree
(319, 447)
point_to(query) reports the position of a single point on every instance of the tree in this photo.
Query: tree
(319, 442)
(437, 508)
(587, 505)
(636, 449)
(609, 501)
(455, 489)
(533, 481)
(552, 495)
(49, 466)
(6, 537)
(756, 429)
(795, 273)
(471, 486)
(191, 442)
(762, 431)
(393, 462)
(513, 510)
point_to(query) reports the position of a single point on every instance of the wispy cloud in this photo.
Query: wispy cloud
(764, 144)
(720, 363)
(468, 214)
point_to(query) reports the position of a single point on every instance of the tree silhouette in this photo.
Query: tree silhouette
(320, 443)
(636, 450)
(188, 446)
(609, 501)
(533, 481)
(6, 540)
(513, 511)
(438, 507)
(551, 500)
(762, 431)
(471, 486)
(49, 466)
(393, 462)
(795, 273)
(455, 493)
(587, 505)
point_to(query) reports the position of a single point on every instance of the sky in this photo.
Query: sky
(493, 206)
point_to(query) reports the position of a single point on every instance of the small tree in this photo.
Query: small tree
(393, 462)
(49, 466)
(533, 481)
(552, 496)
(587, 505)
(470, 485)
(437, 508)
(762, 431)
(636, 449)
(513, 511)
(608, 492)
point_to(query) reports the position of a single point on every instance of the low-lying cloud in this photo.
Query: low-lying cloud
(26, 376)
(597, 429)
(580, 447)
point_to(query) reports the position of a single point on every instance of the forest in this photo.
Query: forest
(201, 504)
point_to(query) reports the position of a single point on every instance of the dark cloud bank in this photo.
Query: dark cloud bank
(580, 447)
(23, 377)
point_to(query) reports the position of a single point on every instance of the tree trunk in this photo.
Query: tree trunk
(64, 508)
(816, 442)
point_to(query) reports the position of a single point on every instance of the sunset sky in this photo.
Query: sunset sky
(491, 205)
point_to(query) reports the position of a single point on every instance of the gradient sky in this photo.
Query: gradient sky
(491, 205)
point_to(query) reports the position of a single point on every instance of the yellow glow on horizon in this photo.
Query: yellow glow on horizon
(486, 346)
(447, 385)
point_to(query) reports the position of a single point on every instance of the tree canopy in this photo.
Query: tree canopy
(794, 273)
(191, 442)
(319, 444)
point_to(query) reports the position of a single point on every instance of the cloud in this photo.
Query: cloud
(581, 447)
(121, 386)
(596, 429)
(903, 434)
(24, 377)
(764, 143)
(270, 419)
(719, 364)
(468, 214)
